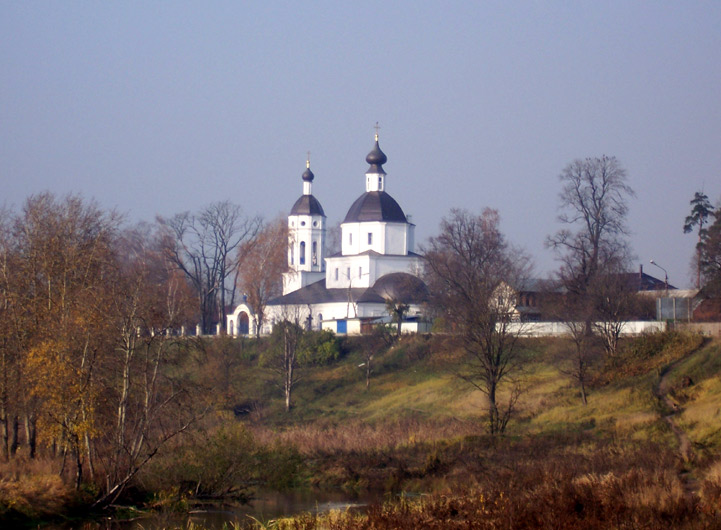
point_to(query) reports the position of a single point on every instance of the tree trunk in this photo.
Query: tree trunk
(15, 439)
(368, 372)
(78, 467)
(492, 411)
(31, 434)
(5, 434)
(288, 385)
(89, 452)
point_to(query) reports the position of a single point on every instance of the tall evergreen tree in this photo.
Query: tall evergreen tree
(701, 209)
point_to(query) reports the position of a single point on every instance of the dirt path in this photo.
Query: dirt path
(684, 444)
(685, 448)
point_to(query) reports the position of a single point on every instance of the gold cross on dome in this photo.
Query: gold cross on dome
(377, 128)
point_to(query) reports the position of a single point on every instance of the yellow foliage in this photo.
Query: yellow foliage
(61, 386)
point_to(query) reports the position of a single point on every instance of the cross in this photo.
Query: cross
(307, 160)
(377, 128)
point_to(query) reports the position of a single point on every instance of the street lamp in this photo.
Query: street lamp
(664, 271)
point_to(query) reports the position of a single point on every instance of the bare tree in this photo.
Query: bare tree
(203, 247)
(283, 354)
(613, 302)
(700, 212)
(400, 290)
(378, 341)
(576, 354)
(594, 205)
(262, 262)
(467, 265)
(149, 406)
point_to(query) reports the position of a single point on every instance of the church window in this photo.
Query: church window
(301, 257)
(320, 321)
(360, 272)
(350, 238)
(292, 256)
(314, 253)
(302, 223)
(380, 183)
(315, 223)
(347, 273)
(370, 238)
(336, 273)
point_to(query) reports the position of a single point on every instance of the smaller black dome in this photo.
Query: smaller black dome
(376, 156)
(308, 175)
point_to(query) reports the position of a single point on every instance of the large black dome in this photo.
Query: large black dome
(401, 286)
(307, 205)
(375, 206)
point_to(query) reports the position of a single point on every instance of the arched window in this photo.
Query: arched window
(301, 258)
(292, 256)
(314, 253)
(320, 321)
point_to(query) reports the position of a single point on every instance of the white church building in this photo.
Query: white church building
(347, 292)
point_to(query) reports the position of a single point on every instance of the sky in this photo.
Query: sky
(155, 108)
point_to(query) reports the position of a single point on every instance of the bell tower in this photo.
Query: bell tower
(306, 238)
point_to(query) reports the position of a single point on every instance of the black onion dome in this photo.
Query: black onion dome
(376, 158)
(308, 175)
(375, 206)
(401, 287)
(307, 205)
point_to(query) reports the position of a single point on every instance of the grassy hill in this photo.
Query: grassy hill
(644, 452)
(416, 379)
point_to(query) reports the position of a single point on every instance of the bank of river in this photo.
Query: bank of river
(266, 506)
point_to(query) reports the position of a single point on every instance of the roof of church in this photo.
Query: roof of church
(399, 286)
(317, 293)
(307, 205)
(375, 206)
(376, 253)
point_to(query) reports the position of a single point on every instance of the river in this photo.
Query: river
(266, 506)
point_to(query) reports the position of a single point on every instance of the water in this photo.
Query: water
(265, 507)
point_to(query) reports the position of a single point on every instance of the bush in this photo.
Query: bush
(319, 348)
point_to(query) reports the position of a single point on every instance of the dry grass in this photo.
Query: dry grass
(357, 436)
(565, 488)
(32, 488)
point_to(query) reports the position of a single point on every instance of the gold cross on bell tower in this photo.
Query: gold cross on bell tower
(377, 128)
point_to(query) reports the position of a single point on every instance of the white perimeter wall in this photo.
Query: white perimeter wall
(555, 329)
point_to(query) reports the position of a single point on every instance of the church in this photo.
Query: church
(356, 288)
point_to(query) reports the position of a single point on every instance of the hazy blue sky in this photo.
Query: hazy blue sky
(160, 107)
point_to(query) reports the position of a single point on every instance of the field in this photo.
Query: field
(645, 452)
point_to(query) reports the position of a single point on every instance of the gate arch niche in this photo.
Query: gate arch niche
(243, 323)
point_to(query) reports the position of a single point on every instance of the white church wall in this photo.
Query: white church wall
(348, 271)
(390, 264)
(396, 238)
